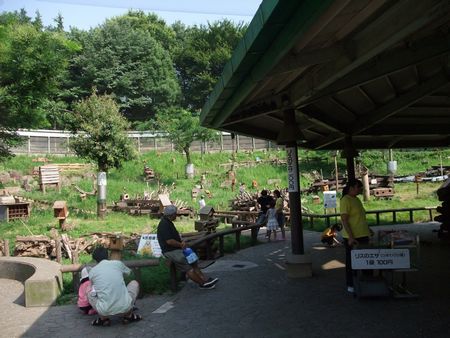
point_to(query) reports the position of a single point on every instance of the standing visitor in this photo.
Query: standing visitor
(355, 228)
(201, 202)
(272, 223)
(279, 203)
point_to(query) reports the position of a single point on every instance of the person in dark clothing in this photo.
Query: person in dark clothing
(172, 247)
(264, 201)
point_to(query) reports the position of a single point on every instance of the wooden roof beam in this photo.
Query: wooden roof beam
(404, 100)
(409, 16)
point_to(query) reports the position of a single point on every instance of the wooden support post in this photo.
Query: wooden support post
(238, 240)
(173, 277)
(221, 246)
(394, 217)
(378, 218)
(209, 254)
(6, 247)
(366, 190)
(75, 275)
(58, 249)
(254, 235)
(138, 277)
(411, 217)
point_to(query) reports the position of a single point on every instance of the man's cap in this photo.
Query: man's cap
(170, 210)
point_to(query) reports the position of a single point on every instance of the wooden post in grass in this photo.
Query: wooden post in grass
(58, 249)
(6, 247)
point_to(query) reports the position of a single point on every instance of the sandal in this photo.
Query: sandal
(134, 317)
(101, 322)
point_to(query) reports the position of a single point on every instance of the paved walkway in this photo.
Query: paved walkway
(254, 298)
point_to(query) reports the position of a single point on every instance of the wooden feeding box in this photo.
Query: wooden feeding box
(13, 211)
(60, 210)
(207, 222)
(383, 192)
(115, 246)
(206, 213)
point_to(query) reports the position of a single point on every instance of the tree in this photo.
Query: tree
(183, 128)
(124, 60)
(200, 57)
(32, 64)
(105, 140)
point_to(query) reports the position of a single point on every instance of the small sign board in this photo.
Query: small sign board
(164, 199)
(292, 166)
(329, 199)
(149, 246)
(368, 259)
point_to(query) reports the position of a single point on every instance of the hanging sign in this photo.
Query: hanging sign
(292, 167)
(329, 199)
(367, 259)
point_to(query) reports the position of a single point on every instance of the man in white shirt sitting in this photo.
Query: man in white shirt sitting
(109, 295)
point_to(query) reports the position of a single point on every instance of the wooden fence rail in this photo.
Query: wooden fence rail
(244, 215)
(327, 217)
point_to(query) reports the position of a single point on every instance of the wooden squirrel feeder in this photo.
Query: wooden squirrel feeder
(115, 246)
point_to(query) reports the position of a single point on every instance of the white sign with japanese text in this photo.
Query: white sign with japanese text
(149, 245)
(329, 199)
(368, 259)
(292, 167)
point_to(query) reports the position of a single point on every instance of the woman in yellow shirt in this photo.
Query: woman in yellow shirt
(355, 228)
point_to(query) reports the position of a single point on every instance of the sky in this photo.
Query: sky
(85, 14)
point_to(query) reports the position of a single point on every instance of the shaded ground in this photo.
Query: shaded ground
(254, 298)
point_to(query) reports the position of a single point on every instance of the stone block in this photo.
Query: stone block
(42, 278)
(298, 266)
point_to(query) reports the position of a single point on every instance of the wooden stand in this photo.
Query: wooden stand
(115, 247)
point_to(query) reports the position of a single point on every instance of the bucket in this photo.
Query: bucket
(392, 167)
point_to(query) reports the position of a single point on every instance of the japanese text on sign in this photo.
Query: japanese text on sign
(292, 167)
(365, 259)
(149, 246)
(329, 199)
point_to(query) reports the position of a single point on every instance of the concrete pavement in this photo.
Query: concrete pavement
(254, 298)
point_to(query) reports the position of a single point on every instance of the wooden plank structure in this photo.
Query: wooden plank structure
(49, 175)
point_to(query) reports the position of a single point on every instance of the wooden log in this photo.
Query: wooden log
(136, 263)
(36, 238)
(58, 250)
(66, 244)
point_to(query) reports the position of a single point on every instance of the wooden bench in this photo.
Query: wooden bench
(49, 175)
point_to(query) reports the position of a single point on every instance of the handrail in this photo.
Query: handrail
(377, 214)
(311, 217)
(221, 234)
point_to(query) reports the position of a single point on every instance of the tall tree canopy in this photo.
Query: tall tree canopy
(123, 58)
(105, 140)
(200, 57)
(183, 128)
(32, 64)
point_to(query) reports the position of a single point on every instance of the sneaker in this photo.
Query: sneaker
(350, 289)
(211, 281)
(206, 287)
